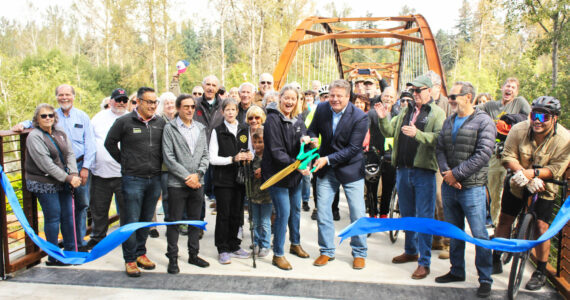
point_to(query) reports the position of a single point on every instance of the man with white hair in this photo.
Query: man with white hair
(245, 92)
(197, 92)
(265, 85)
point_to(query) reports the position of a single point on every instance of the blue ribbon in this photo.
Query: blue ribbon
(105, 246)
(435, 227)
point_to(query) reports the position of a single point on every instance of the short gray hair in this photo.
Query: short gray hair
(37, 115)
(435, 79)
(466, 88)
(266, 75)
(246, 84)
(272, 94)
(211, 77)
(62, 85)
(229, 101)
(341, 84)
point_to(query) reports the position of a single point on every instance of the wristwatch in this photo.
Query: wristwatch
(536, 172)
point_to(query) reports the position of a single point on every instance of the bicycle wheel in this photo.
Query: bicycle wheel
(526, 232)
(394, 213)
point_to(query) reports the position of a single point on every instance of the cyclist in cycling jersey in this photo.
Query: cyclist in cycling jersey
(540, 141)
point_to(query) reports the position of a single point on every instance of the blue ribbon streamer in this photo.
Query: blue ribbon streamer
(435, 227)
(105, 246)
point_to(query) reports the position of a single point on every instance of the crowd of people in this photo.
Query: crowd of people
(439, 154)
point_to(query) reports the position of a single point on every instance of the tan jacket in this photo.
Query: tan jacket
(553, 154)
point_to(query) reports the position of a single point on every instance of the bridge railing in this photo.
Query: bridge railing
(17, 251)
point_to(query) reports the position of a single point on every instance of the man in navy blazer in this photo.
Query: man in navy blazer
(342, 128)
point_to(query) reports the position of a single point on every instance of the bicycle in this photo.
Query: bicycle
(394, 213)
(526, 232)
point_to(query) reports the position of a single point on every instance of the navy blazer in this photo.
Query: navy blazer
(344, 148)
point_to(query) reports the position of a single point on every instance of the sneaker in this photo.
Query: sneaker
(196, 260)
(224, 258)
(314, 214)
(447, 278)
(153, 233)
(145, 263)
(263, 252)
(484, 290)
(536, 282)
(240, 254)
(306, 206)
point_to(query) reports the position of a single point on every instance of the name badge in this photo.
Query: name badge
(78, 125)
(137, 130)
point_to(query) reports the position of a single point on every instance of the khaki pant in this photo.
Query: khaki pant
(439, 240)
(495, 180)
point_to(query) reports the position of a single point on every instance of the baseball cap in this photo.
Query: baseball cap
(421, 81)
(119, 93)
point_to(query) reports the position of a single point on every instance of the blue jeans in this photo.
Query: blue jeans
(287, 202)
(81, 196)
(468, 203)
(140, 195)
(57, 211)
(306, 183)
(327, 186)
(416, 197)
(261, 215)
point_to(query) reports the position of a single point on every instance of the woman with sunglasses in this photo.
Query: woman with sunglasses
(50, 170)
(254, 117)
(282, 135)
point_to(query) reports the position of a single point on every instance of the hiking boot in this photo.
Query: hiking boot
(536, 282)
(173, 265)
(132, 270)
(145, 263)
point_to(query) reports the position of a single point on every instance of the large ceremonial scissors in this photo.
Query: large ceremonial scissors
(303, 160)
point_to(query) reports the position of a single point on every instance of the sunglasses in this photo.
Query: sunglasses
(133, 102)
(45, 116)
(253, 117)
(265, 82)
(197, 94)
(541, 117)
(122, 100)
(418, 90)
(106, 106)
(454, 96)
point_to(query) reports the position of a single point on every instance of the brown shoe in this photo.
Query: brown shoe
(404, 258)
(298, 250)
(421, 272)
(322, 260)
(281, 263)
(145, 263)
(444, 254)
(358, 263)
(132, 270)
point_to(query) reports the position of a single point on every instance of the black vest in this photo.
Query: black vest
(229, 145)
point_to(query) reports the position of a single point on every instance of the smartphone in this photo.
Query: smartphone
(364, 71)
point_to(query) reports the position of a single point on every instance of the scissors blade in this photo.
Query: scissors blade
(280, 175)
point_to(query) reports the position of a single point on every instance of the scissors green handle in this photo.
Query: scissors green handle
(307, 157)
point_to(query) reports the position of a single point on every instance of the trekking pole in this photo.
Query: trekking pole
(73, 214)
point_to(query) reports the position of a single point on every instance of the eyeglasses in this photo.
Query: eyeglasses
(418, 90)
(265, 82)
(106, 106)
(123, 100)
(197, 94)
(541, 117)
(454, 96)
(150, 102)
(253, 117)
(45, 116)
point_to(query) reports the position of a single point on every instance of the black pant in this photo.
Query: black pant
(388, 182)
(372, 197)
(101, 194)
(229, 204)
(336, 199)
(180, 200)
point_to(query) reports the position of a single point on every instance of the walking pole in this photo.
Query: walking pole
(248, 191)
(73, 214)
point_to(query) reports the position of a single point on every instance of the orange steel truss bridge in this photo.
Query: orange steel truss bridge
(398, 48)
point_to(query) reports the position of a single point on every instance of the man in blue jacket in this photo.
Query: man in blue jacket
(464, 147)
(342, 128)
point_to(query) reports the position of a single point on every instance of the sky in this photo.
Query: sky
(440, 14)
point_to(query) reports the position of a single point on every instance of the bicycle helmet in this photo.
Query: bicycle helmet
(548, 103)
(324, 89)
(372, 172)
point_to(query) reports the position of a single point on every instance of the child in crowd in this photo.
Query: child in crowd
(261, 205)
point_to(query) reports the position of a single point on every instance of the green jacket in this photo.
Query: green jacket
(425, 155)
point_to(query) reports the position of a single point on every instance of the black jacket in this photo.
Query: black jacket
(140, 154)
(211, 117)
(468, 158)
(282, 139)
(229, 145)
